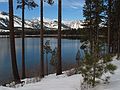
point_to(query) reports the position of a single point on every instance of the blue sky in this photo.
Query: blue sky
(71, 9)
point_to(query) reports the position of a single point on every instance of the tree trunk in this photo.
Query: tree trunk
(59, 64)
(12, 44)
(109, 24)
(118, 44)
(23, 43)
(94, 53)
(91, 29)
(96, 42)
(41, 36)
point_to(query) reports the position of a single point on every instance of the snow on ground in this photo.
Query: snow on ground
(63, 82)
(52, 82)
(114, 79)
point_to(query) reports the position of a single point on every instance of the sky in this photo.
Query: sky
(71, 10)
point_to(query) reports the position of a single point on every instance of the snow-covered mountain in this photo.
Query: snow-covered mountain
(75, 24)
(4, 21)
(35, 23)
(48, 24)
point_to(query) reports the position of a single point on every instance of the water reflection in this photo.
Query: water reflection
(32, 55)
(5, 62)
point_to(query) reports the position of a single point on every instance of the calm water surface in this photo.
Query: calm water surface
(32, 56)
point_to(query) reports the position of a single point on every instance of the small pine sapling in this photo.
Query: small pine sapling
(91, 66)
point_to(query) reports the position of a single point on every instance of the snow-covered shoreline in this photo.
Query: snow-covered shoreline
(52, 82)
(64, 82)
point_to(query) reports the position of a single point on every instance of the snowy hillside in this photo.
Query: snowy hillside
(4, 21)
(63, 82)
(49, 24)
(74, 24)
(35, 23)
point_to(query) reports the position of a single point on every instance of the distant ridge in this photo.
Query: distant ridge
(35, 23)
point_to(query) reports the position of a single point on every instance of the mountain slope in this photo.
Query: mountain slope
(75, 24)
(4, 21)
(35, 23)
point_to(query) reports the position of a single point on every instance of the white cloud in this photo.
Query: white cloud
(75, 4)
(74, 7)
(3, 0)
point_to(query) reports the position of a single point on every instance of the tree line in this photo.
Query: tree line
(103, 14)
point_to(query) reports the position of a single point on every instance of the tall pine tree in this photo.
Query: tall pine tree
(94, 17)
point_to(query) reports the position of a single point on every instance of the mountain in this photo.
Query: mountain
(35, 23)
(4, 21)
(75, 24)
(49, 24)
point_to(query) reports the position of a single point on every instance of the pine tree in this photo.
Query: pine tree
(41, 35)
(21, 4)
(59, 64)
(110, 12)
(12, 44)
(117, 18)
(93, 13)
(115, 27)
(103, 66)
(87, 13)
(109, 22)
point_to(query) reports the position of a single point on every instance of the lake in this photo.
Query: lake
(32, 56)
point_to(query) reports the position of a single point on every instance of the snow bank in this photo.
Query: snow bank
(114, 79)
(52, 82)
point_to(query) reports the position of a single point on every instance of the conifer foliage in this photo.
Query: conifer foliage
(95, 65)
(103, 66)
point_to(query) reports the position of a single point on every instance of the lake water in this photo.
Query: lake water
(32, 56)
